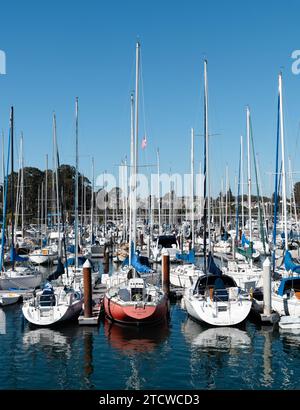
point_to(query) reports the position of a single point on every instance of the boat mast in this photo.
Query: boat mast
(158, 190)
(3, 167)
(56, 181)
(226, 197)
(46, 194)
(206, 200)
(92, 202)
(131, 173)
(283, 164)
(22, 185)
(249, 174)
(136, 132)
(76, 185)
(12, 182)
(192, 187)
(242, 183)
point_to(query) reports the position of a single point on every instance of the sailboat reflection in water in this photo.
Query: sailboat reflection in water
(218, 338)
(134, 342)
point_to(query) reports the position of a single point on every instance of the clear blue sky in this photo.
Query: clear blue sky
(62, 49)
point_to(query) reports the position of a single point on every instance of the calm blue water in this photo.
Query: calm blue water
(178, 355)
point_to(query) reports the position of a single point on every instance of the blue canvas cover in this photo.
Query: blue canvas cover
(289, 264)
(212, 267)
(187, 257)
(14, 257)
(48, 289)
(285, 284)
(138, 262)
(245, 240)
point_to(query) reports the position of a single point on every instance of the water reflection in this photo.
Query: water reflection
(2, 322)
(212, 350)
(52, 341)
(130, 340)
(290, 337)
(215, 338)
(135, 343)
(267, 355)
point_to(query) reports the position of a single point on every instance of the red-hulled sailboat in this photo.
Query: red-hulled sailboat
(134, 301)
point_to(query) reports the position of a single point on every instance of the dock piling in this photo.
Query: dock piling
(165, 265)
(87, 284)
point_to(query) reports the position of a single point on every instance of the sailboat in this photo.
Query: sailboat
(22, 276)
(286, 290)
(55, 304)
(214, 298)
(9, 298)
(246, 275)
(134, 301)
(247, 251)
(187, 273)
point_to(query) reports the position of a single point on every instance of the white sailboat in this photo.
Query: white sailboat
(22, 276)
(214, 298)
(53, 305)
(9, 298)
(286, 291)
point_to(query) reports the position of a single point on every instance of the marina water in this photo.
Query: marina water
(180, 354)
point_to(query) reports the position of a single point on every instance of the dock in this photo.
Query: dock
(98, 293)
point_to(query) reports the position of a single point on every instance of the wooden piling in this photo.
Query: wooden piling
(106, 259)
(165, 267)
(87, 284)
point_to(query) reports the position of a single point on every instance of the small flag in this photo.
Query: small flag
(144, 142)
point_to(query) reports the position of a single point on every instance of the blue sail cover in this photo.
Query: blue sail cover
(48, 289)
(245, 240)
(289, 264)
(14, 257)
(225, 236)
(187, 257)
(139, 263)
(71, 261)
(58, 271)
(212, 267)
(71, 248)
(287, 283)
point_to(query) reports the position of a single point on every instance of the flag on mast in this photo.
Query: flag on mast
(144, 142)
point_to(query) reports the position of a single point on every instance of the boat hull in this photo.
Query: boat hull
(217, 314)
(20, 282)
(51, 316)
(9, 299)
(135, 314)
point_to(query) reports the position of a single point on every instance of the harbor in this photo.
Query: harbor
(149, 202)
(182, 355)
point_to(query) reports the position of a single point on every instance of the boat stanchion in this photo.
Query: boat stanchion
(165, 268)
